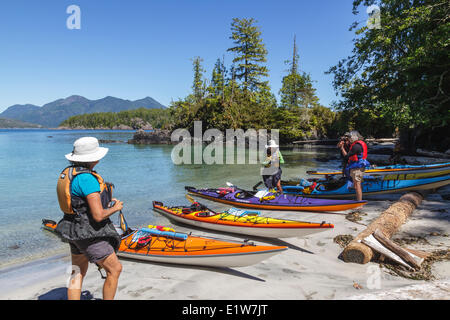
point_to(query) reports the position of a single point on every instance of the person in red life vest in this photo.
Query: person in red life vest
(356, 159)
(85, 199)
(344, 143)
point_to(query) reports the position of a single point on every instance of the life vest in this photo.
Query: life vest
(357, 157)
(357, 160)
(71, 204)
(78, 223)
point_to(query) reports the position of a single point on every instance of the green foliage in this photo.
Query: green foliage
(369, 122)
(400, 72)
(158, 118)
(218, 79)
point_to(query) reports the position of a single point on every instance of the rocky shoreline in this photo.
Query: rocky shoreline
(157, 136)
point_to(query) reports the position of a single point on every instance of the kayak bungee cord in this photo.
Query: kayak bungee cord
(170, 243)
(230, 217)
(223, 217)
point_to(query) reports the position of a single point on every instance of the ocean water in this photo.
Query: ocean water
(31, 160)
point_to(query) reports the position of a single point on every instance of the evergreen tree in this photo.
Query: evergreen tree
(198, 85)
(218, 79)
(250, 54)
(297, 89)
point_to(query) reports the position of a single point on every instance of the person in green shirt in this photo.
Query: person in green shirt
(271, 172)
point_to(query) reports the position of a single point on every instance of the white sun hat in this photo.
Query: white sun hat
(272, 144)
(86, 149)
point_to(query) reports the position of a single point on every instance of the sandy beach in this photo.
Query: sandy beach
(310, 269)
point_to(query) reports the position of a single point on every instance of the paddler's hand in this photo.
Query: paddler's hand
(118, 205)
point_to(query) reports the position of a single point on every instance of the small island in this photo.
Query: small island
(142, 118)
(16, 124)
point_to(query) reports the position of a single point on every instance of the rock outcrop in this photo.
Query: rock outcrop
(157, 136)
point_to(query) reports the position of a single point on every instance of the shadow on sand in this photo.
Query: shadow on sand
(61, 294)
(223, 270)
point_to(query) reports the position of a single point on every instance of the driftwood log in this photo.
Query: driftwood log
(402, 253)
(387, 223)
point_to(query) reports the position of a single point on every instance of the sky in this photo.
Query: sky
(137, 48)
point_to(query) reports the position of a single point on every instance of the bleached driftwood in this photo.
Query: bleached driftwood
(374, 244)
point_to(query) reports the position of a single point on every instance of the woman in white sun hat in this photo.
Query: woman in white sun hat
(271, 172)
(85, 198)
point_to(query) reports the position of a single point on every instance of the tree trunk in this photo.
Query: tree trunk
(388, 223)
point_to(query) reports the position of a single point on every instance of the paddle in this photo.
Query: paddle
(255, 187)
(122, 222)
(242, 189)
(194, 202)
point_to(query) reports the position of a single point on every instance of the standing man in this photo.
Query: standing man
(271, 172)
(356, 159)
(344, 145)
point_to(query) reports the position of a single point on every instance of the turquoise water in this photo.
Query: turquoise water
(31, 160)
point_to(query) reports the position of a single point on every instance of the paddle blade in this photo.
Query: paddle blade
(123, 223)
(191, 200)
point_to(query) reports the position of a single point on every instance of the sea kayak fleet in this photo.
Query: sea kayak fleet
(158, 244)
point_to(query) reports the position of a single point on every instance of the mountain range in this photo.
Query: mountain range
(52, 114)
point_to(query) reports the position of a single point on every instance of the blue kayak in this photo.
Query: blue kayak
(372, 185)
(398, 171)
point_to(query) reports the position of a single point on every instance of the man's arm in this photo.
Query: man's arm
(281, 157)
(357, 149)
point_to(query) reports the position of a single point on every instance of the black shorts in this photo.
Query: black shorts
(94, 249)
(272, 181)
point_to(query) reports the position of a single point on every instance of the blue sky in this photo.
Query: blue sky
(132, 49)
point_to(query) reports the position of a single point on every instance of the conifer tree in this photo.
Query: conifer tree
(218, 79)
(297, 90)
(250, 54)
(198, 85)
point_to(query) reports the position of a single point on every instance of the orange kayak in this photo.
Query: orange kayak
(181, 248)
(241, 222)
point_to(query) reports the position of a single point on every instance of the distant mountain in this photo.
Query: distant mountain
(53, 113)
(10, 123)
